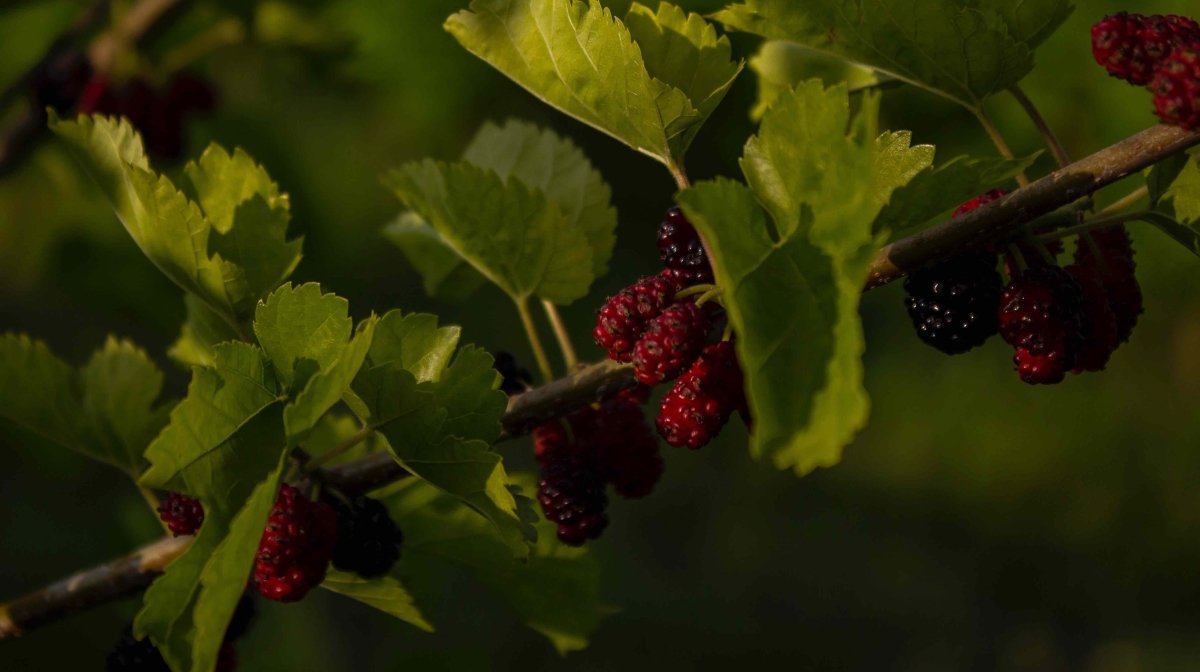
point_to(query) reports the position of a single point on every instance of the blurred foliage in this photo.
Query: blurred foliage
(975, 524)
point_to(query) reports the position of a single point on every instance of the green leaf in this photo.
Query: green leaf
(556, 591)
(933, 193)
(683, 52)
(416, 343)
(187, 610)
(440, 415)
(229, 257)
(333, 430)
(223, 580)
(578, 58)
(202, 330)
(793, 283)
(166, 613)
(514, 235)
(1179, 203)
(801, 159)
(469, 391)
(39, 392)
(222, 182)
(1175, 177)
(446, 276)
(214, 441)
(553, 165)
(963, 50)
(302, 331)
(328, 386)
(105, 411)
(897, 161)
(120, 388)
(386, 594)
(781, 66)
(304, 334)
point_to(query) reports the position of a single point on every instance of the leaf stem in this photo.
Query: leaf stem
(714, 293)
(351, 441)
(535, 341)
(680, 175)
(694, 290)
(561, 334)
(998, 140)
(1100, 222)
(1126, 200)
(1056, 148)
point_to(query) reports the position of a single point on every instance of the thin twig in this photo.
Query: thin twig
(1126, 201)
(316, 461)
(535, 341)
(1056, 148)
(998, 140)
(561, 335)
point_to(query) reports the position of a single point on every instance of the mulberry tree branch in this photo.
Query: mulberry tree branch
(1001, 218)
(128, 575)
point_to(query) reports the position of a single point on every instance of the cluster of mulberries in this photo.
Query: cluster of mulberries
(581, 454)
(666, 337)
(1056, 319)
(300, 540)
(663, 335)
(1161, 53)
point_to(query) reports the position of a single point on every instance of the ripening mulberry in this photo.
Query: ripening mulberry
(1110, 252)
(623, 443)
(1099, 321)
(1130, 46)
(296, 547)
(182, 514)
(614, 435)
(157, 114)
(1176, 87)
(671, 342)
(701, 401)
(980, 200)
(1041, 316)
(571, 492)
(622, 319)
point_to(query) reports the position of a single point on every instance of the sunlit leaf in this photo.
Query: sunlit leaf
(965, 51)
(793, 281)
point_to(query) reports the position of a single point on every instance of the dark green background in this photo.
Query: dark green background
(977, 524)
